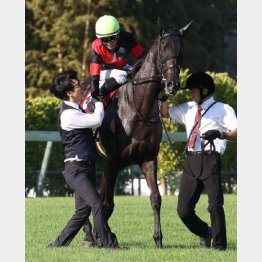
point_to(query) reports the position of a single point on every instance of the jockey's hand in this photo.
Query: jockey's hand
(94, 94)
(213, 134)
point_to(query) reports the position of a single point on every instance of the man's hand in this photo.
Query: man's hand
(97, 99)
(213, 134)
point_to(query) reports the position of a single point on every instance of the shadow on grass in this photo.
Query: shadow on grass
(142, 245)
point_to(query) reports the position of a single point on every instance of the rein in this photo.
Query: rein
(168, 138)
(143, 80)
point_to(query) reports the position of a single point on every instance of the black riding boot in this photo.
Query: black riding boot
(109, 85)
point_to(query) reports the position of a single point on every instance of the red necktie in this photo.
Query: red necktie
(193, 136)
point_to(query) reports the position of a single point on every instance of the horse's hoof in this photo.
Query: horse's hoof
(158, 244)
(98, 242)
(88, 244)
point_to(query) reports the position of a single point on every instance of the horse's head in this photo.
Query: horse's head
(170, 57)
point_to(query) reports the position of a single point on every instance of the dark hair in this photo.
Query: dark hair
(63, 83)
(201, 80)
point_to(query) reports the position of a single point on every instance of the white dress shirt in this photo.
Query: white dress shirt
(75, 119)
(220, 116)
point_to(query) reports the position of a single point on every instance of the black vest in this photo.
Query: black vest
(78, 142)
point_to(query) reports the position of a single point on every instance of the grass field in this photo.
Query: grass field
(132, 221)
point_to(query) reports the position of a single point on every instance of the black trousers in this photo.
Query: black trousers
(80, 176)
(191, 186)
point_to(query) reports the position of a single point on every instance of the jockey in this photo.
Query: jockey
(109, 63)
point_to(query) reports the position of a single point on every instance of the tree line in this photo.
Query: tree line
(58, 34)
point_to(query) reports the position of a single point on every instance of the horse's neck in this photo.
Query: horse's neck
(149, 68)
(144, 95)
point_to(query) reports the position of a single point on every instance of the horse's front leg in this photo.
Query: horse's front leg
(149, 169)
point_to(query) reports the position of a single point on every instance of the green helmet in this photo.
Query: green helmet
(107, 25)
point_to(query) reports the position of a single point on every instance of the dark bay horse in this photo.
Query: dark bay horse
(131, 130)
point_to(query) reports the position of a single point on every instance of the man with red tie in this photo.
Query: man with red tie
(109, 56)
(208, 125)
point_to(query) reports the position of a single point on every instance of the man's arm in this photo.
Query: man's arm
(164, 110)
(215, 133)
(74, 119)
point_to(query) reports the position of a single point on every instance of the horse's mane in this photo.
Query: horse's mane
(137, 66)
(139, 62)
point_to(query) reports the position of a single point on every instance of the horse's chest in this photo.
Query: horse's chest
(140, 148)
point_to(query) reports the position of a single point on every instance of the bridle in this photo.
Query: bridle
(173, 55)
(161, 61)
(160, 78)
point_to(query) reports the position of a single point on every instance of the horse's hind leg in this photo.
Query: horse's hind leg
(149, 169)
(108, 182)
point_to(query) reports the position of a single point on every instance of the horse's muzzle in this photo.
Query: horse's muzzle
(171, 87)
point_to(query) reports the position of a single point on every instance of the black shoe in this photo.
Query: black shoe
(51, 245)
(205, 242)
(219, 248)
(88, 244)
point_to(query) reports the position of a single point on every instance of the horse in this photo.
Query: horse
(131, 130)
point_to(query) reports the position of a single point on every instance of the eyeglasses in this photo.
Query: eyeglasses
(109, 39)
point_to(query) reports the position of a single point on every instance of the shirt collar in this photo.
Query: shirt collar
(207, 103)
(75, 105)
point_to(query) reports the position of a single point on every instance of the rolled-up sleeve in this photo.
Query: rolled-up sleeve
(229, 119)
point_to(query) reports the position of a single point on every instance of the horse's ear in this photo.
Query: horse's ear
(161, 25)
(185, 28)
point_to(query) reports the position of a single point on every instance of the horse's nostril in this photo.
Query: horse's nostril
(170, 87)
(170, 84)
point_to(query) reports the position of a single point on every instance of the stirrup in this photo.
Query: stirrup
(100, 149)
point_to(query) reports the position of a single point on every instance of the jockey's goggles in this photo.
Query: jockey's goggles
(109, 39)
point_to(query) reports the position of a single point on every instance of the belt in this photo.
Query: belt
(89, 162)
(194, 153)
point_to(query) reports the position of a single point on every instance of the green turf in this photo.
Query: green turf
(132, 221)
